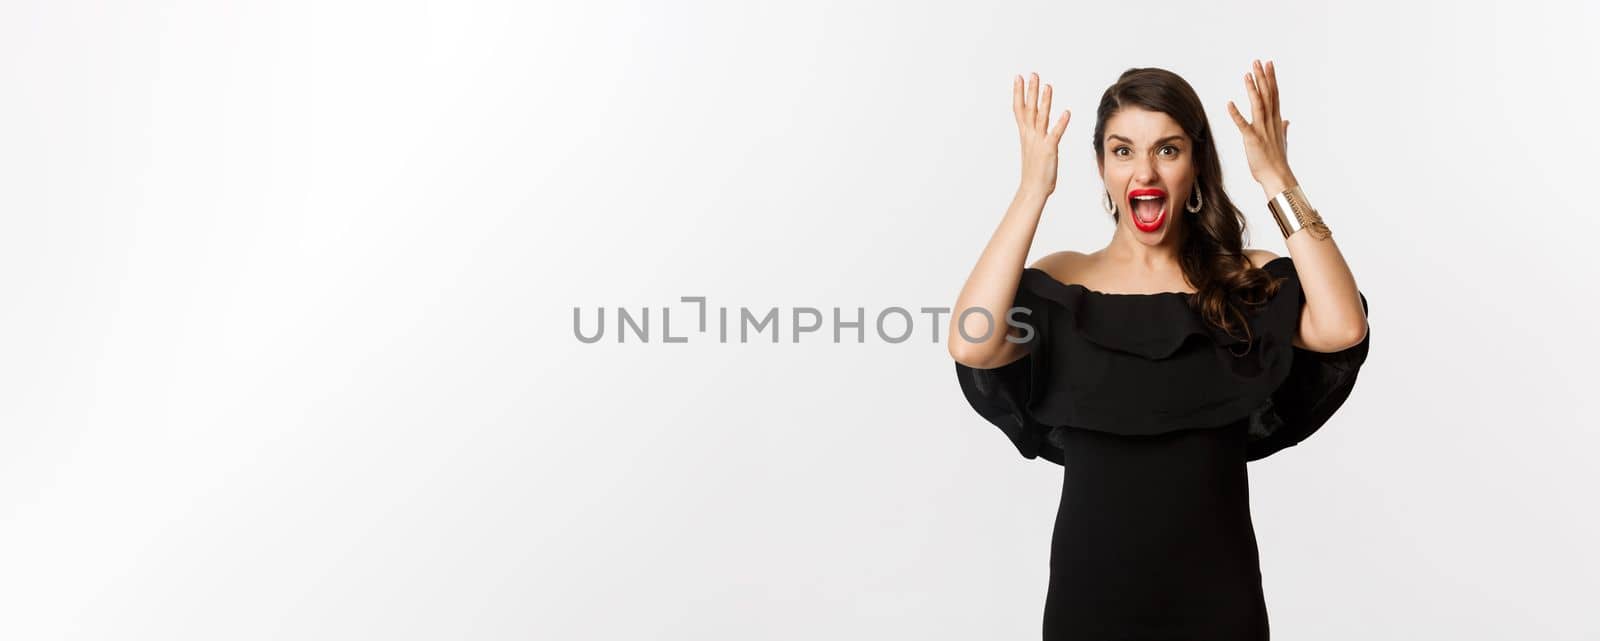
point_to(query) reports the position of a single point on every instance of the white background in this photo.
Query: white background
(289, 287)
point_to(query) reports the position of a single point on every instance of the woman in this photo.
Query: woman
(1153, 369)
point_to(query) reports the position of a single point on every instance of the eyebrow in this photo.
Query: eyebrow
(1179, 137)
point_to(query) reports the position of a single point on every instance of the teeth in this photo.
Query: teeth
(1146, 197)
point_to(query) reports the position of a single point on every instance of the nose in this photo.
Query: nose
(1144, 171)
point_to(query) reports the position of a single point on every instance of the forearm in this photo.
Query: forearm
(1334, 316)
(992, 284)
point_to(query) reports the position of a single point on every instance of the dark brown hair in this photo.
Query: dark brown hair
(1211, 252)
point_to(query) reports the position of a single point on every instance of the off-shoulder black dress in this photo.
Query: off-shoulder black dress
(1153, 414)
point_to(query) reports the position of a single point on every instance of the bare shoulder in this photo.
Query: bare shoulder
(1060, 265)
(1260, 257)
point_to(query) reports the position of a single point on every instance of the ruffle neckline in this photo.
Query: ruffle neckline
(1154, 325)
(1097, 358)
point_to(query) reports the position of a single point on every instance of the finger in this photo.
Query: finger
(1260, 76)
(1286, 135)
(1016, 99)
(1272, 91)
(1043, 120)
(1030, 100)
(1238, 119)
(1257, 110)
(1061, 126)
(1267, 111)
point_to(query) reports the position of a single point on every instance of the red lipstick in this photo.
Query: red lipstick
(1161, 216)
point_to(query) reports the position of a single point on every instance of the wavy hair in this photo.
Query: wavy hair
(1211, 252)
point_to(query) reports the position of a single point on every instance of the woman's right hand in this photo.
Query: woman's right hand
(1039, 143)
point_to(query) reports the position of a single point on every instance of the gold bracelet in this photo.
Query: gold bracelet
(1305, 216)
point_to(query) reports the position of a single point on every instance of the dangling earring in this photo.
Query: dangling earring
(1110, 207)
(1199, 201)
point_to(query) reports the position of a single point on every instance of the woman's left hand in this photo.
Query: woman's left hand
(1266, 140)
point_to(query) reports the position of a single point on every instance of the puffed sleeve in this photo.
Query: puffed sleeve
(1317, 385)
(1005, 395)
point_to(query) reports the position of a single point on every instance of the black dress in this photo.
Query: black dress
(1153, 414)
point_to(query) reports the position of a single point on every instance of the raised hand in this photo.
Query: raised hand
(1039, 143)
(1266, 136)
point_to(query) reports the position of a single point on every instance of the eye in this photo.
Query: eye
(1118, 150)
(1174, 149)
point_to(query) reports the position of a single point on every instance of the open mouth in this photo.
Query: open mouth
(1149, 207)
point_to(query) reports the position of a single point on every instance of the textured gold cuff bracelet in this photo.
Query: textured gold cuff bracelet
(1294, 212)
